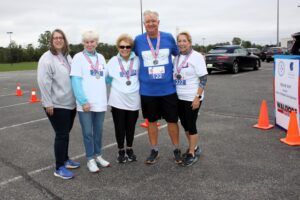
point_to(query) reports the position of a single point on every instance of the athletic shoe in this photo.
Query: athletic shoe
(189, 160)
(197, 151)
(92, 166)
(71, 164)
(177, 156)
(153, 157)
(130, 155)
(101, 162)
(122, 158)
(63, 173)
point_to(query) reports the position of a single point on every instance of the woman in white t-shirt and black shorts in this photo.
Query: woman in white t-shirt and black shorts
(190, 76)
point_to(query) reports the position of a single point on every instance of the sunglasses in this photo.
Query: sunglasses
(123, 47)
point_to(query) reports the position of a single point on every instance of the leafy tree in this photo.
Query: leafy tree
(246, 44)
(236, 41)
(44, 41)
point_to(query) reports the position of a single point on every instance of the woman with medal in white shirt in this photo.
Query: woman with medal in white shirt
(190, 76)
(88, 82)
(53, 75)
(124, 96)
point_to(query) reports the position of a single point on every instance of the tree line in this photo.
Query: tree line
(15, 53)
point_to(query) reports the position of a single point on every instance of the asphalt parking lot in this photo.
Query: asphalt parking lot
(238, 161)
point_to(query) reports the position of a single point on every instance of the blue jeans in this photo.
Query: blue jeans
(92, 128)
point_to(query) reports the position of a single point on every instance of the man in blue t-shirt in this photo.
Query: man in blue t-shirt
(157, 89)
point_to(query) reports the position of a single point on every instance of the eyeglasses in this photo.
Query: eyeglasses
(58, 38)
(123, 47)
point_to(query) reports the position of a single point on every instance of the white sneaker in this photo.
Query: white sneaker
(92, 166)
(102, 162)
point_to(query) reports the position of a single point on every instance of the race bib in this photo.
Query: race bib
(180, 82)
(156, 72)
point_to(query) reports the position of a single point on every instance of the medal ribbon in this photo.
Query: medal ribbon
(178, 68)
(96, 67)
(123, 69)
(64, 62)
(154, 54)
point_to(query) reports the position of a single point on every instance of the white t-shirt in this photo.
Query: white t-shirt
(124, 96)
(93, 88)
(195, 67)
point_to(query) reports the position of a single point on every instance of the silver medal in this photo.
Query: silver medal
(178, 76)
(155, 62)
(128, 82)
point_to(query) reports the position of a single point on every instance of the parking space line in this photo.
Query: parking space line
(11, 180)
(16, 125)
(14, 105)
(12, 94)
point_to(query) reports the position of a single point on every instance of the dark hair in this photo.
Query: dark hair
(65, 49)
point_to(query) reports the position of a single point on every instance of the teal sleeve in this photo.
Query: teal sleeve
(78, 90)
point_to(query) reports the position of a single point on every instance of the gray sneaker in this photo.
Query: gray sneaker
(189, 160)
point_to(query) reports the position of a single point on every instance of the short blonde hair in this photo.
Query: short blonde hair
(187, 34)
(90, 35)
(126, 38)
(151, 12)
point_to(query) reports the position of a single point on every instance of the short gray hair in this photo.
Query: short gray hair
(151, 12)
(88, 35)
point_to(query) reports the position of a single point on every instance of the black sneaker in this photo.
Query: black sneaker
(122, 158)
(152, 158)
(189, 160)
(197, 152)
(177, 156)
(130, 155)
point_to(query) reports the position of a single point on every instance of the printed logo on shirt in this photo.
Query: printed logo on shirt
(162, 58)
(93, 72)
(179, 82)
(133, 73)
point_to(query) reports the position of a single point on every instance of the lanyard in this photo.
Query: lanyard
(154, 53)
(123, 69)
(64, 62)
(94, 67)
(178, 68)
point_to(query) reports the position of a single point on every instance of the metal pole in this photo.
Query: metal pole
(203, 45)
(277, 23)
(141, 4)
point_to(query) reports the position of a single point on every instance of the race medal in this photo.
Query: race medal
(178, 76)
(128, 83)
(97, 75)
(156, 51)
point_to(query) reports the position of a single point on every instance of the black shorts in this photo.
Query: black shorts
(187, 116)
(157, 107)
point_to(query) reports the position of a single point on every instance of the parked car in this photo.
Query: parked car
(274, 51)
(264, 51)
(254, 51)
(231, 58)
(295, 49)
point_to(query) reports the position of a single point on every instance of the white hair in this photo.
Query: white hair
(150, 12)
(90, 35)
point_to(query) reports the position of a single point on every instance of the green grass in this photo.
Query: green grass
(18, 66)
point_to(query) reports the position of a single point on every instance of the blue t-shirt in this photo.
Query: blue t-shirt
(156, 75)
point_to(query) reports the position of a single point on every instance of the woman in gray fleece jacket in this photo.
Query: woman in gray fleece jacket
(53, 75)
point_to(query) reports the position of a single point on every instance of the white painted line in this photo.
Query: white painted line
(75, 157)
(14, 105)
(12, 94)
(16, 125)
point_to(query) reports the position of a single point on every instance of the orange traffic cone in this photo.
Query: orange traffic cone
(292, 137)
(146, 123)
(263, 121)
(18, 90)
(34, 98)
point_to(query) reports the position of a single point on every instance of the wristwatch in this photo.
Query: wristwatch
(198, 96)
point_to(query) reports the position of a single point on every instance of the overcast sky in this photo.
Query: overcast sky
(214, 20)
